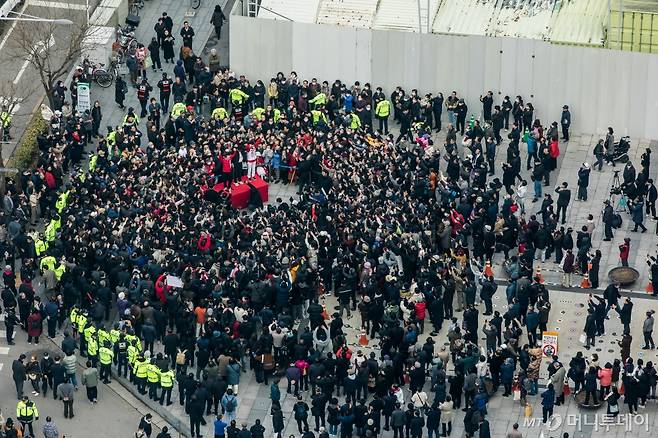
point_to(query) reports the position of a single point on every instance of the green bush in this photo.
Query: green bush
(25, 153)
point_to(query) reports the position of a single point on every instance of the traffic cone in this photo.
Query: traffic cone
(585, 284)
(538, 275)
(363, 339)
(325, 315)
(650, 287)
(487, 269)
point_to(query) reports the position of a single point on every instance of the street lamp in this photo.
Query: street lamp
(63, 21)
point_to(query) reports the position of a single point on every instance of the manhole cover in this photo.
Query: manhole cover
(623, 275)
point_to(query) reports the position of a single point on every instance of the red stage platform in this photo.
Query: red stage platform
(240, 192)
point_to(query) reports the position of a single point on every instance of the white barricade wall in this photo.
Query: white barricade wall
(602, 87)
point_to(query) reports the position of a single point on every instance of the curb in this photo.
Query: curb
(171, 420)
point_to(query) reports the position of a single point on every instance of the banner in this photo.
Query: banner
(84, 97)
(549, 343)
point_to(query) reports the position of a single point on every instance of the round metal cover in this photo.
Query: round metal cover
(623, 275)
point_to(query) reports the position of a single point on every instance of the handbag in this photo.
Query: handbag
(517, 395)
(614, 409)
(566, 389)
(527, 411)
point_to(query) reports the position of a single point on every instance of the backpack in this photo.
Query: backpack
(616, 220)
(300, 411)
(231, 404)
(180, 358)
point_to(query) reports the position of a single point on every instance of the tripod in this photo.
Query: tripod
(617, 189)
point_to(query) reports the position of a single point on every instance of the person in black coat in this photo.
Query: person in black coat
(120, 90)
(194, 408)
(217, 20)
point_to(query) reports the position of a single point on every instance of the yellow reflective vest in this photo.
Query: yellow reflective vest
(92, 347)
(59, 271)
(355, 123)
(320, 99)
(383, 109)
(40, 247)
(114, 336)
(81, 321)
(178, 110)
(141, 367)
(105, 356)
(47, 264)
(167, 379)
(153, 373)
(26, 411)
(237, 96)
(89, 332)
(258, 113)
(103, 336)
(219, 113)
(60, 204)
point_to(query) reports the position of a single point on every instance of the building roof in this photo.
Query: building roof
(563, 21)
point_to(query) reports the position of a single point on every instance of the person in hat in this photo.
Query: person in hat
(565, 121)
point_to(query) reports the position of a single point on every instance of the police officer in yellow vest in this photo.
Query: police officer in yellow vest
(92, 350)
(141, 372)
(382, 111)
(115, 334)
(167, 383)
(219, 113)
(318, 101)
(73, 317)
(132, 355)
(47, 264)
(40, 246)
(50, 232)
(60, 270)
(92, 165)
(258, 114)
(319, 118)
(105, 356)
(355, 121)
(178, 110)
(153, 376)
(89, 333)
(26, 413)
(5, 123)
(81, 321)
(237, 98)
(60, 204)
(103, 336)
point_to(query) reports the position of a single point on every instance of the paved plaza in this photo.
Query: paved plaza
(119, 409)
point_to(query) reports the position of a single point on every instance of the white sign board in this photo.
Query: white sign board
(84, 97)
(174, 281)
(549, 343)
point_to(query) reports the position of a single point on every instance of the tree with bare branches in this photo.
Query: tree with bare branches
(51, 49)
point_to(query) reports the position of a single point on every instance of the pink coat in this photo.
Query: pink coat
(605, 376)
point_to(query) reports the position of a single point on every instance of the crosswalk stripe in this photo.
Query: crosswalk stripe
(4, 351)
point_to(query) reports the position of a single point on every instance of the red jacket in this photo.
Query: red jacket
(204, 243)
(624, 251)
(420, 310)
(161, 288)
(554, 149)
(34, 325)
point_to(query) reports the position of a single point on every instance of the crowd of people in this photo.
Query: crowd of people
(138, 252)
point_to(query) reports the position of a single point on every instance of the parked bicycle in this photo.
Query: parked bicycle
(125, 42)
(98, 73)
